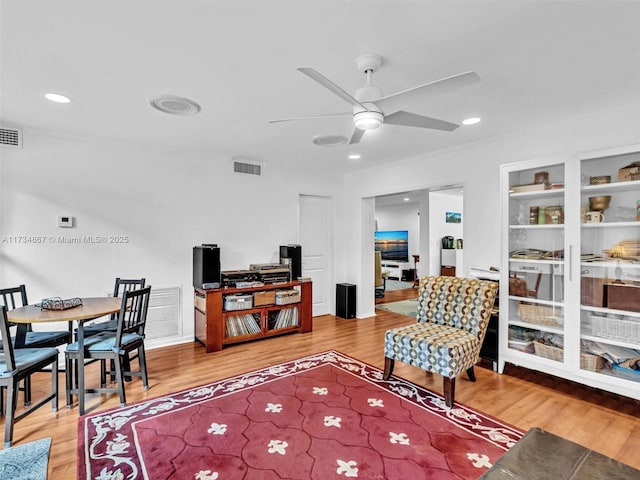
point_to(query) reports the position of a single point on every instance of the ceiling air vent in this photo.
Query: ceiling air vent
(11, 137)
(249, 168)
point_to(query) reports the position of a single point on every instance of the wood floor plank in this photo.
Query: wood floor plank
(604, 422)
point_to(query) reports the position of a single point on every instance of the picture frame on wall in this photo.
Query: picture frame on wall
(453, 217)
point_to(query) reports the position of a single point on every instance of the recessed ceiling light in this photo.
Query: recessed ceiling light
(354, 156)
(471, 121)
(174, 105)
(406, 199)
(56, 97)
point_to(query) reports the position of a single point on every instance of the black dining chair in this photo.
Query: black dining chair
(116, 346)
(26, 337)
(17, 365)
(121, 285)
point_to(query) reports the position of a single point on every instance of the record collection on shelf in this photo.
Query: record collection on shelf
(244, 324)
(287, 317)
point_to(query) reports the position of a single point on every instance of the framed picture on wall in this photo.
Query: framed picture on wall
(453, 217)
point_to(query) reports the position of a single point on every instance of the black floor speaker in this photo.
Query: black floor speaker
(292, 255)
(346, 300)
(206, 266)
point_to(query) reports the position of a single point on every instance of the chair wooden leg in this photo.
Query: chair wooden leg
(449, 388)
(68, 375)
(142, 362)
(112, 373)
(27, 391)
(54, 386)
(471, 374)
(388, 368)
(103, 373)
(120, 381)
(12, 398)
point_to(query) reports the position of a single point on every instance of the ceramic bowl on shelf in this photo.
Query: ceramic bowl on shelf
(600, 203)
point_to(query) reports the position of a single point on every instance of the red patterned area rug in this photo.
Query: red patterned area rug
(324, 416)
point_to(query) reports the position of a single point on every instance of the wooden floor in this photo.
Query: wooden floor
(598, 420)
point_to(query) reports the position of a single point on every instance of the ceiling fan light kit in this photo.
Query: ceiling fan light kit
(368, 120)
(371, 109)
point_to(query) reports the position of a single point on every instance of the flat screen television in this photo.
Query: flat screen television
(393, 245)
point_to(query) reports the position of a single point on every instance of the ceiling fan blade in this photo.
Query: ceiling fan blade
(312, 117)
(408, 119)
(325, 82)
(356, 137)
(410, 97)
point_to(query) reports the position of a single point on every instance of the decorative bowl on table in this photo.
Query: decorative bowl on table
(600, 203)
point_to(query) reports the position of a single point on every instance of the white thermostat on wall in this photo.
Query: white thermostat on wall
(65, 222)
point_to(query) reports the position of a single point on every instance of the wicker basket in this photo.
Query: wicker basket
(540, 314)
(549, 351)
(591, 362)
(588, 361)
(626, 330)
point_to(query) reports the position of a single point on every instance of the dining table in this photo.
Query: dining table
(90, 309)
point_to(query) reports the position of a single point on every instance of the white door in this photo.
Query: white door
(316, 233)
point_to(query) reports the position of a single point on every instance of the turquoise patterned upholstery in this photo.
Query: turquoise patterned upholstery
(452, 319)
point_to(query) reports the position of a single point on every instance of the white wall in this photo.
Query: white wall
(401, 217)
(439, 205)
(477, 168)
(163, 201)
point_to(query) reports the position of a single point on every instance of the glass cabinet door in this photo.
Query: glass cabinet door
(610, 266)
(536, 239)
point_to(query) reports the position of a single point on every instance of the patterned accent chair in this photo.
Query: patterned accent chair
(453, 315)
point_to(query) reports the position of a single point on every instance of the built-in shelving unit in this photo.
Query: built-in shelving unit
(580, 316)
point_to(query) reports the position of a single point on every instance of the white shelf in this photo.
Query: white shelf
(611, 188)
(549, 193)
(610, 341)
(537, 326)
(535, 226)
(610, 224)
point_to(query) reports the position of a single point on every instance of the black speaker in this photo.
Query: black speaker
(206, 266)
(292, 255)
(346, 300)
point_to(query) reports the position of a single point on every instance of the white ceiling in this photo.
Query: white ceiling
(539, 61)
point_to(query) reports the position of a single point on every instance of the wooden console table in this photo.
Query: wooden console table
(216, 327)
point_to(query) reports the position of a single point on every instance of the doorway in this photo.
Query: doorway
(423, 214)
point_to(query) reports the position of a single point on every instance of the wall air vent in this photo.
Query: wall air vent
(11, 137)
(246, 167)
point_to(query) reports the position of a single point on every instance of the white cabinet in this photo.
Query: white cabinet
(394, 269)
(573, 308)
(452, 257)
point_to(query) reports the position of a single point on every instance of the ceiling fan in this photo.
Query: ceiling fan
(371, 109)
